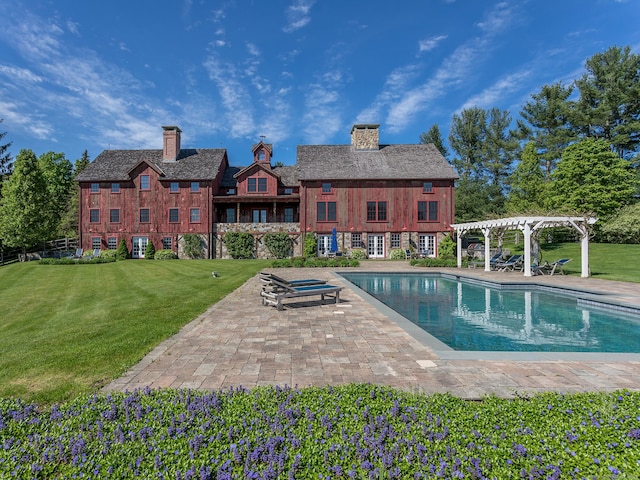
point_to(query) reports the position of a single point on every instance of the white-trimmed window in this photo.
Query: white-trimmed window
(167, 243)
(112, 243)
(395, 240)
(96, 243)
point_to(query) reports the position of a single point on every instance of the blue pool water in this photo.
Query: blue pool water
(468, 316)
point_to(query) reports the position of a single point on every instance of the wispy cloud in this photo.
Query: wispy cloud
(429, 44)
(78, 86)
(298, 15)
(504, 86)
(454, 71)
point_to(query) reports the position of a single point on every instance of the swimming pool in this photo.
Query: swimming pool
(476, 316)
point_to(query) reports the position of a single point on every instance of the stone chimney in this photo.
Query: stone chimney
(171, 143)
(365, 137)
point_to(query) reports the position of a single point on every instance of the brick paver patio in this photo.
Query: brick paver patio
(238, 341)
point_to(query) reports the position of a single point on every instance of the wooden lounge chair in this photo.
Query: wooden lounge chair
(556, 267)
(274, 282)
(275, 296)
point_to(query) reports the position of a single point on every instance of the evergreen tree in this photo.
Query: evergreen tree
(547, 121)
(433, 136)
(466, 138)
(500, 147)
(24, 207)
(6, 165)
(609, 104)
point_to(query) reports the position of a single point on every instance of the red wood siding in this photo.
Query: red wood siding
(257, 172)
(158, 199)
(402, 199)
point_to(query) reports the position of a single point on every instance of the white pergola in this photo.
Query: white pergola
(529, 226)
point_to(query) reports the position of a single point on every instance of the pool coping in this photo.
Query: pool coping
(592, 298)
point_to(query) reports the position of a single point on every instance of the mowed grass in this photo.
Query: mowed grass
(66, 330)
(606, 260)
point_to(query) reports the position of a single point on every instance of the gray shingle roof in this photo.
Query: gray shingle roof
(395, 162)
(192, 164)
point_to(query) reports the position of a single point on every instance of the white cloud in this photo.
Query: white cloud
(298, 15)
(236, 100)
(22, 74)
(492, 95)
(429, 44)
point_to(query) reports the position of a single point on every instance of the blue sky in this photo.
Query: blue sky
(78, 74)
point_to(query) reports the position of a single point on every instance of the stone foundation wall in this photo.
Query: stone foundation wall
(258, 230)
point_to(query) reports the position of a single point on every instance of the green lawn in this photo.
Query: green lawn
(607, 261)
(70, 329)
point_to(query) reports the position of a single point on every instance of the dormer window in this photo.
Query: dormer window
(256, 184)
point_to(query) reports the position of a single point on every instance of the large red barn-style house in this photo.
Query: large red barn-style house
(376, 197)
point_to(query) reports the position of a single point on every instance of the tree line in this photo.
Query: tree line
(38, 197)
(573, 151)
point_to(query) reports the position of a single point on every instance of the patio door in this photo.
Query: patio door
(139, 247)
(375, 246)
(427, 243)
(324, 245)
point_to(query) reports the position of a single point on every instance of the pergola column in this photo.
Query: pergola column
(527, 249)
(487, 249)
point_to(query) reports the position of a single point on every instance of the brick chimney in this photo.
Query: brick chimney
(171, 143)
(365, 137)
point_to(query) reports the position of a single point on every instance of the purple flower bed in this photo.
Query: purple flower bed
(353, 431)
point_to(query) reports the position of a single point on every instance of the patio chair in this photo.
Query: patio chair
(274, 297)
(492, 262)
(543, 269)
(407, 254)
(271, 282)
(556, 267)
(510, 264)
(78, 253)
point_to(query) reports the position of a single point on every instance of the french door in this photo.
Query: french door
(324, 245)
(139, 247)
(375, 246)
(427, 244)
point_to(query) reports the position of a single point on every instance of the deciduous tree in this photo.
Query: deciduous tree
(590, 178)
(24, 207)
(527, 184)
(58, 174)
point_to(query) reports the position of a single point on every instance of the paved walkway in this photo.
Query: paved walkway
(240, 342)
